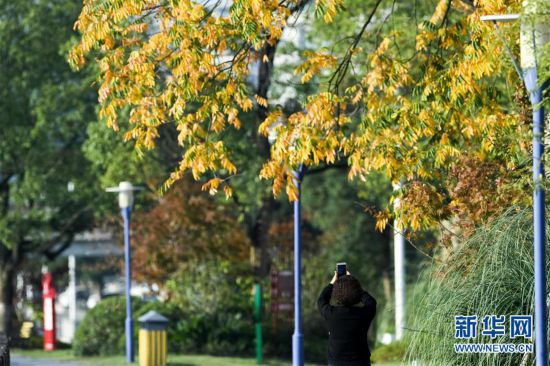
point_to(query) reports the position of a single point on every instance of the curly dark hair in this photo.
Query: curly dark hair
(347, 290)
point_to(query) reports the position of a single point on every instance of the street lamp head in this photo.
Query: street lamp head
(501, 18)
(535, 33)
(125, 195)
(535, 30)
(125, 192)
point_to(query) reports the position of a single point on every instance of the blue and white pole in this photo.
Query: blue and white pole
(539, 215)
(297, 337)
(535, 33)
(129, 323)
(125, 192)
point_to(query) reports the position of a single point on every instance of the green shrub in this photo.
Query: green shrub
(221, 333)
(212, 286)
(216, 300)
(225, 332)
(101, 332)
(209, 312)
(278, 344)
(232, 334)
(33, 342)
(394, 351)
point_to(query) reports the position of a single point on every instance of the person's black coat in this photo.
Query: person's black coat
(347, 327)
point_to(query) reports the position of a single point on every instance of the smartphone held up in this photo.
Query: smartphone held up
(341, 269)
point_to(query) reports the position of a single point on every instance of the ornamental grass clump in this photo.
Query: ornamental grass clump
(491, 273)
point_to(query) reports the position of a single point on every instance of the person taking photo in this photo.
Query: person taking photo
(348, 321)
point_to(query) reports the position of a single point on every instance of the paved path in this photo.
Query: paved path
(26, 361)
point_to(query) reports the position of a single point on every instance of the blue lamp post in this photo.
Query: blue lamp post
(534, 35)
(125, 192)
(297, 336)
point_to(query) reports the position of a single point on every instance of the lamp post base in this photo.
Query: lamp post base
(129, 340)
(297, 349)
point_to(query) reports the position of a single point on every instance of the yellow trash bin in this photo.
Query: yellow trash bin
(152, 339)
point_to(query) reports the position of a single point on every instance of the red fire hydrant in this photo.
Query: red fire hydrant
(48, 302)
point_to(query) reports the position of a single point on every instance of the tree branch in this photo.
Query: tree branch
(341, 165)
(341, 70)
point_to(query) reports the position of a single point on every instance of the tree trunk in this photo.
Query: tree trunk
(387, 265)
(258, 232)
(7, 274)
(10, 259)
(450, 230)
(386, 285)
(7, 265)
(259, 237)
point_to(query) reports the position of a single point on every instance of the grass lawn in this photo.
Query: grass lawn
(173, 360)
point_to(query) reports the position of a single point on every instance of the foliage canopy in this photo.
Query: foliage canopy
(411, 104)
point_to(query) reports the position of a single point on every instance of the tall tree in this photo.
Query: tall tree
(186, 227)
(43, 107)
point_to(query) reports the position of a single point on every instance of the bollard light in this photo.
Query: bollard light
(152, 339)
